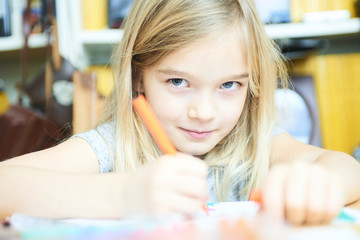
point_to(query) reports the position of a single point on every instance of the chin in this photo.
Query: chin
(197, 152)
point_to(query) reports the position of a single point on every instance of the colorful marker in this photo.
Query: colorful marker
(151, 122)
(343, 216)
(205, 208)
(157, 132)
(256, 196)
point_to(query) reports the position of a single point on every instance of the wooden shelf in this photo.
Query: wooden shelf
(16, 42)
(275, 31)
(85, 48)
(107, 36)
(10, 43)
(316, 29)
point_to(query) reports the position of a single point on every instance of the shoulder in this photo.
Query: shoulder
(276, 130)
(285, 148)
(102, 141)
(105, 132)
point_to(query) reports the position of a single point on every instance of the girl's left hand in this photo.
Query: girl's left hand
(303, 193)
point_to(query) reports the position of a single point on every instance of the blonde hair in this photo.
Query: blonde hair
(152, 30)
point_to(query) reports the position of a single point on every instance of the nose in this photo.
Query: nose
(202, 108)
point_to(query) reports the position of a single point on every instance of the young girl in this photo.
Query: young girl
(209, 72)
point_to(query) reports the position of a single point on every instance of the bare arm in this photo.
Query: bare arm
(45, 193)
(74, 155)
(64, 182)
(287, 149)
(307, 184)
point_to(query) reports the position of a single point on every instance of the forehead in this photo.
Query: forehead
(215, 54)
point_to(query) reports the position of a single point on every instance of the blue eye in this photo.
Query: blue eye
(230, 85)
(178, 82)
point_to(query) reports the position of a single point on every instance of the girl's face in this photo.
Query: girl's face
(198, 92)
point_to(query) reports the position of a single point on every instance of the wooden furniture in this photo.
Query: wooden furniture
(87, 103)
(337, 85)
(90, 88)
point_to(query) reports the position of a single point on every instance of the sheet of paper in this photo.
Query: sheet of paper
(208, 226)
(324, 233)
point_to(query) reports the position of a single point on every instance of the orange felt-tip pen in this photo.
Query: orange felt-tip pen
(151, 122)
(205, 208)
(157, 132)
(256, 196)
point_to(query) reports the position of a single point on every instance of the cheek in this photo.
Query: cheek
(232, 113)
(234, 116)
(165, 108)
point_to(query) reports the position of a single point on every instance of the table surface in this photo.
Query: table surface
(356, 205)
(7, 233)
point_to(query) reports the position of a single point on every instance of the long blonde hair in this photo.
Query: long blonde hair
(152, 30)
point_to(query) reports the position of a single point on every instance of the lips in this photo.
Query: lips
(197, 134)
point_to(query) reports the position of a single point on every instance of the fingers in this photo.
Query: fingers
(297, 195)
(273, 197)
(169, 202)
(189, 165)
(183, 174)
(190, 186)
(316, 205)
(303, 193)
(335, 200)
(179, 203)
(172, 184)
(190, 179)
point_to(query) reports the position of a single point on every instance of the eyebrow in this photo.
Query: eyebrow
(187, 75)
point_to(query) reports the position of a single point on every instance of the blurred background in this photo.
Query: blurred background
(54, 69)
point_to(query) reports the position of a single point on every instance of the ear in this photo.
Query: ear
(137, 83)
(138, 86)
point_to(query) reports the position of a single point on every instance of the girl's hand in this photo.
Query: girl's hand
(172, 184)
(303, 193)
